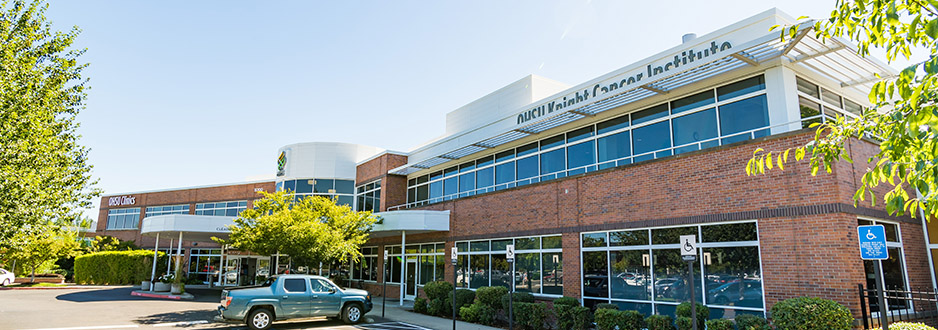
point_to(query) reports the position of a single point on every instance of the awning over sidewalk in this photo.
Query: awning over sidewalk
(198, 228)
(394, 223)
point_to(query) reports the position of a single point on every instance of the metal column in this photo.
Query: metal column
(155, 255)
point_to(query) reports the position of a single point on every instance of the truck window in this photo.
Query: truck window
(294, 285)
(320, 286)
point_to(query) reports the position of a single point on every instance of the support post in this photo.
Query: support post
(693, 299)
(169, 255)
(403, 265)
(178, 252)
(511, 297)
(881, 296)
(155, 255)
(384, 280)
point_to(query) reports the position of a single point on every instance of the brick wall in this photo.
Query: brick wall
(393, 187)
(807, 223)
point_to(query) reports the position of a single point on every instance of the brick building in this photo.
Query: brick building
(593, 184)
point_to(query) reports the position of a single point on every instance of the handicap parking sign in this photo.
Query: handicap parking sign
(873, 242)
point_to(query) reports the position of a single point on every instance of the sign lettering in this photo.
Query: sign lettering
(121, 200)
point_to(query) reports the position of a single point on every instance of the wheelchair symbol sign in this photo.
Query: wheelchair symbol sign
(872, 242)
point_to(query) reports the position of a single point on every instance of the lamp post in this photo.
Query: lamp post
(453, 256)
(384, 281)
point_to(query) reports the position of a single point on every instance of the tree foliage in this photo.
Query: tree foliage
(34, 249)
(904, 118)
(44, 174)
(311, 228)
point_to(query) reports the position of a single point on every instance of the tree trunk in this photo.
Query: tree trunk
(32, 278)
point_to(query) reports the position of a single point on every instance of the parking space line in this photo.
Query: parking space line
(95, 327)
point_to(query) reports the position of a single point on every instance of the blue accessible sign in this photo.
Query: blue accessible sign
(873, 242)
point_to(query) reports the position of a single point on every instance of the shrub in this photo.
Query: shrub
(117, 267)
(437, 290)
(530, 316)
(607, 306)
(478, 312)
(464, 297)
(420, 306)
(573, 317)
(683, 310)
(685, 323)
(907, 326)
(720, 324)
(610, 319)
(568, 301)
(811, 313)
(438, 307)
(750, 322)
(491, 296)
(659, 322)
(518, 297)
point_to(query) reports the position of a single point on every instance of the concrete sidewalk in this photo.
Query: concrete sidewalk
(400, 313)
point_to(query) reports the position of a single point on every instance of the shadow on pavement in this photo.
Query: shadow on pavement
(183, 316)
(123, 294)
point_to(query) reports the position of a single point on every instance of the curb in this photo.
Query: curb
(161, 296)
(57, 288)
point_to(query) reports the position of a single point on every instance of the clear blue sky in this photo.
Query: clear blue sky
(187, 93)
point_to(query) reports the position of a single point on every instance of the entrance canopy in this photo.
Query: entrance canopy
(198, 228)
(394, 223)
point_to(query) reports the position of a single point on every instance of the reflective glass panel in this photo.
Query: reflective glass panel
(742, 87)
(695, 127)
(692, 102)
(744, 115)
(631, 274)
(595, 274)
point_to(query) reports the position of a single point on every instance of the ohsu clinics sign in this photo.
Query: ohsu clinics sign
(121, 200)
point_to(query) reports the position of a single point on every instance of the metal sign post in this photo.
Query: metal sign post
(510, 256)
(689, 254)
(873, 247)
(384, 295)
(453, 257)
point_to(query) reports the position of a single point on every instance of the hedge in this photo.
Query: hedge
(117, 267)
(437, 290)
(610, 319)
(811, 313)
(478, 312)
(751, 322)
(720, 324)
(530, 316)
(491, 296)
(659, 322)
(683, 310)
(907, 326)
(464, 297)
(573, 317)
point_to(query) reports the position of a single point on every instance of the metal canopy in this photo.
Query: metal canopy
(835, 59)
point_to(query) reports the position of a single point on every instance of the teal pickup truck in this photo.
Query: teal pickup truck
(292, 296)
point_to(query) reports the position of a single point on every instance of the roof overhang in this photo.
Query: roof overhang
(197, 228)
(834, 58)
(393, 223)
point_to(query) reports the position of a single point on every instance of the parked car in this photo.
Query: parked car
(284, 297)
(6, 277)
(730, 294)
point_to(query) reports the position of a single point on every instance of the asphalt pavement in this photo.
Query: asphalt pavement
(115, 308)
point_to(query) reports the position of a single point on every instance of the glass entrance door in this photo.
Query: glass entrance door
(410, 287)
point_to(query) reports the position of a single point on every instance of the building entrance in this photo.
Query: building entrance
(246, 270)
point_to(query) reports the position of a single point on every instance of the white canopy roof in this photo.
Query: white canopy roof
(198, 228)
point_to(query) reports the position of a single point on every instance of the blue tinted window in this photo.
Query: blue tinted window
(742, 116)
(450, 186)
(485, 177)
(467, 182)
(581, 154)
(698, 126)
(650, 114)
(303, 187)
(691, 102)
(451, 171)
(436, 189)
(741, 88)
(527, 149)
(347, 200)
(345, 186)
(551, 142)
(324, 185)
(579, 134)
(613, 147)
(280, 186)
(527, 167)
(467, 166)
(650, 138)
(505, 172)
(289, 185)
(436, 175)
(423, 192)
(485, 161)
(505, 155)
(612, 124)
(294, 285)
(552, 161)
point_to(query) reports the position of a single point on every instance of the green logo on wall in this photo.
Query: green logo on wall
(281, 162)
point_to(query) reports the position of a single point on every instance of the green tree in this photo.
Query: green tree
(311, 228)
(45, 178)
(32, 250)
(904, 118)
(110, 243)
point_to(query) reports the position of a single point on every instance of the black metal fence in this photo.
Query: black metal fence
(901, 305)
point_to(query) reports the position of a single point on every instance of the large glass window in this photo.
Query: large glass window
(369, 196)
(227, 209)
(552, 162)
(643, 268)
(693, 128)
(538, 266)
(651, 138)
(153, 211)
(123, 218)
(893, 269)
(343, 191)
(527, 168)
(742, 116)
(580, 155)
(613, 147)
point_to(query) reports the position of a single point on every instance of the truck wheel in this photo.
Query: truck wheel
(352, 314)
(260, 319)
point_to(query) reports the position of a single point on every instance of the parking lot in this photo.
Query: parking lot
(115, 308)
